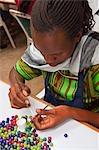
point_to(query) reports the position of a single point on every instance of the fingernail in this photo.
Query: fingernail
(25, 93)
(38, 110)
(27, 102)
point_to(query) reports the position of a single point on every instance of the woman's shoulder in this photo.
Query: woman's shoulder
(90, 50)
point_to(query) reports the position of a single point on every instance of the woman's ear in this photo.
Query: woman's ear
(78, 36)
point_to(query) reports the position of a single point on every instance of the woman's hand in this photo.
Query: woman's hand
(51, 117)
(60, 113)
(18, 95)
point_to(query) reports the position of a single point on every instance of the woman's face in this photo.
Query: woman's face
(55, 46)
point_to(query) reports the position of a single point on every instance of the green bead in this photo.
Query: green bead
(15, 143)
(31, 140)
(29, 134)
(32, 136)
(39, 144)
(6, 146)
(18, 148)
(44, 139)
(28, 146)
(6, 133)
(2, 134)
(41, 140)
(51, 144)
(15, 138)
(18, 145)
(39, 148)
(2, 128)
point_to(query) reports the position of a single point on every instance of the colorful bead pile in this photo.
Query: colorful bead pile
(13, 139)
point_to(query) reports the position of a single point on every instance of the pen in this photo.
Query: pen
(45, 107)
(40, 119)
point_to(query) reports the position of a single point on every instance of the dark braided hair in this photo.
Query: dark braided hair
(70, 15)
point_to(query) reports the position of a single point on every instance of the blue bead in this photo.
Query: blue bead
(14, 146)
(36, 135)
(2, 144)
(49, 141)
(12, 128)
(32, 144)
(1, 139)
(7, 120)
(34, 138)
(47, 146)
(12, 117)
(65, 135)
(34, 130)
(12, 138)
(3, 121)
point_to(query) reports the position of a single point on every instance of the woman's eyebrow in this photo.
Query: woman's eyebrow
(54, 53)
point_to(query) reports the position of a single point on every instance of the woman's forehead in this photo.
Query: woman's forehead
(51, 41)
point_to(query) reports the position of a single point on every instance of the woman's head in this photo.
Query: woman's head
(70, 15)
(59, 24)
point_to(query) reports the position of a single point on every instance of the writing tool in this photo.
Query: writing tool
(45, 107)
(40, 119)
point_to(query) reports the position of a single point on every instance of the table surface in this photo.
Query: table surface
(80, 136)
(8, 1)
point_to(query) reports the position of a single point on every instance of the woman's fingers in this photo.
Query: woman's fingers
(15, 101)
(44, 122)
(26, 90)
(17, 98)
(41, 123)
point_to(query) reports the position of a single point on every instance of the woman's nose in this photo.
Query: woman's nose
(49, 59)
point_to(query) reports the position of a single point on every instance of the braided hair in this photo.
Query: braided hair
(70, 15)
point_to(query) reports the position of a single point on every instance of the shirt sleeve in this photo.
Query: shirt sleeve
(26, 71)
(95, 79)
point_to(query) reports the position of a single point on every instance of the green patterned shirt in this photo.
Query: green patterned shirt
(63, 84)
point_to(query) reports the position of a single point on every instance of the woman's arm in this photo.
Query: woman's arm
(61, 113)
(86, 116)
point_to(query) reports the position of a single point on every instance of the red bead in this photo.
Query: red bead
(37, 141)
(22, 145)
(16, 116)
(12, 141)
(26, 136)
(45, 143)
(49, 138)
(33, 133)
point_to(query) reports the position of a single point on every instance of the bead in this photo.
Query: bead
(11, 137)
(50, 138)
(65, 135)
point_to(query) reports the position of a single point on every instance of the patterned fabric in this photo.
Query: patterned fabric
(65, 88)
(91, 88)
(62, 87)
(63, 82)
(27, 72)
